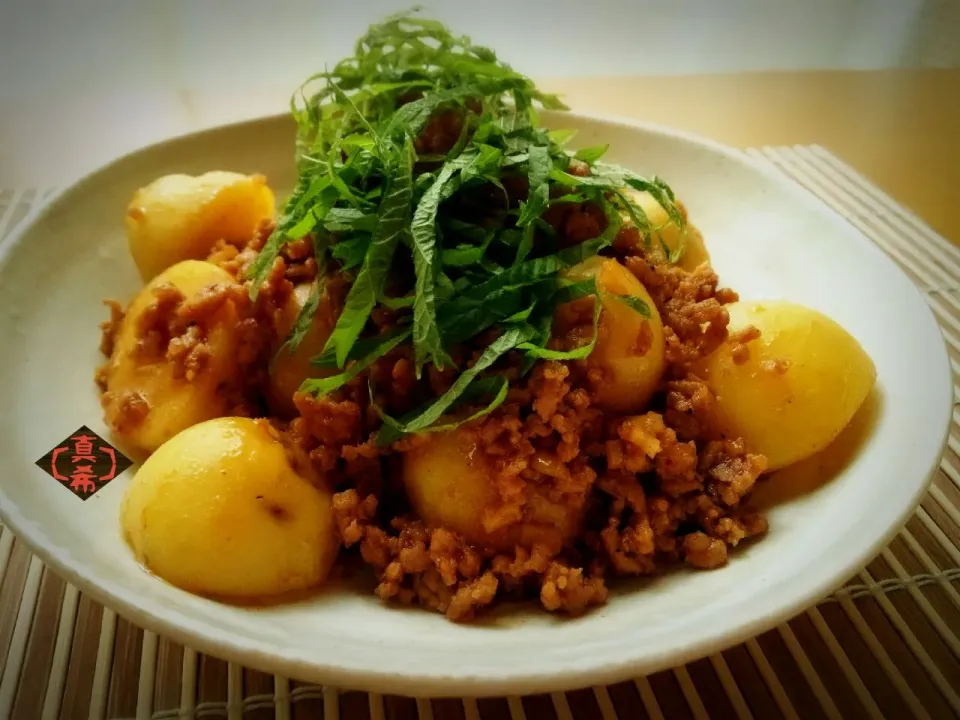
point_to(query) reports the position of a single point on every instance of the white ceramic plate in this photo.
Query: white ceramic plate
(768, 240)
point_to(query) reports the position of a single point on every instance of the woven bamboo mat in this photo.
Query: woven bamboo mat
(887, 644)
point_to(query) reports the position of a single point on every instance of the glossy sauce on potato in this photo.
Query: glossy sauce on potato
(451, 484)
(789, 392)
(669, 234)
(170, 403)
(630, 347)
(181, 217)
(289, 369)
(226, 509)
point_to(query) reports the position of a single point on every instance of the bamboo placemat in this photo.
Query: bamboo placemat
(884, 645)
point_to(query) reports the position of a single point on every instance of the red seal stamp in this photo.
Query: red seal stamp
(83, 463)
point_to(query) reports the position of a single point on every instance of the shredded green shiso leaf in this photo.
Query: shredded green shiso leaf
(379, 208)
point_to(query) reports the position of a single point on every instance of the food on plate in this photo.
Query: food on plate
(787, 380)
(290, 367)
(453, 484)
(629, 358)
(682, 241)
(510, 362)
(181, 217)
(173, 355)
(225, 508)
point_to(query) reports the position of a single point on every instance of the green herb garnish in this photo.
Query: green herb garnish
(635, 303)
(424, 172)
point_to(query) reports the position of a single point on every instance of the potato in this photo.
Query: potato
(802, 382)
(181, 217)
(289, 370)
(451, 485)
(173, 403)
(220, 510)
(629, 379)
(694, 253)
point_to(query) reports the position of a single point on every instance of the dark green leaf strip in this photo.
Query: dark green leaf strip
(497, 386)
(578, 353)
(506, 342)
(370, 282)
(322, 386)
(353, 318)
(426, 335)
(637, 304)
(591, 154)
(304, 318)
(393, 218)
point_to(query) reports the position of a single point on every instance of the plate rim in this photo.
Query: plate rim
(270, 658)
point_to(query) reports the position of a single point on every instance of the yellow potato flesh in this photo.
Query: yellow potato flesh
(174, 403)
(694, 252)
(181, 217)
(803, 381)
(451, 484)
(288, 369)
(219, 510)
(629, 377)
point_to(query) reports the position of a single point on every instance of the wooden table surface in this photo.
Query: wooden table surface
(900, 128)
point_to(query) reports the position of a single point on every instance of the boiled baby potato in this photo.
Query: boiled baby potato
(181, 217)
(288, 369)
(694, 252)
(451, 485)
(798, 386)
(225, 509)
(629, 377)
(161, 403)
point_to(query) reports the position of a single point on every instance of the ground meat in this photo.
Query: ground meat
(236, 259)
(125, 410)
(224, 255)
(630, 550)
(153, 328)
(440, 133)
(703, 551)
(176, 329)
(536, 455)
(110, 328)
(102, 376)
(472, 595)
(434, 567)
(645, 443)
(690, 305)
(645, 492)
(300, 264)
(731, 469)
(297, 250)
(185, 332)
(691, 516)
(628, 242)
(654, 488)
(330, 421)
(566, 588)
(575, 222)
(584, 223)
(188, 353)
(627, 540)
(549, 387)
(740, 351)
(689, 402)
(515, 569)
(201, 309)
(732, 529)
